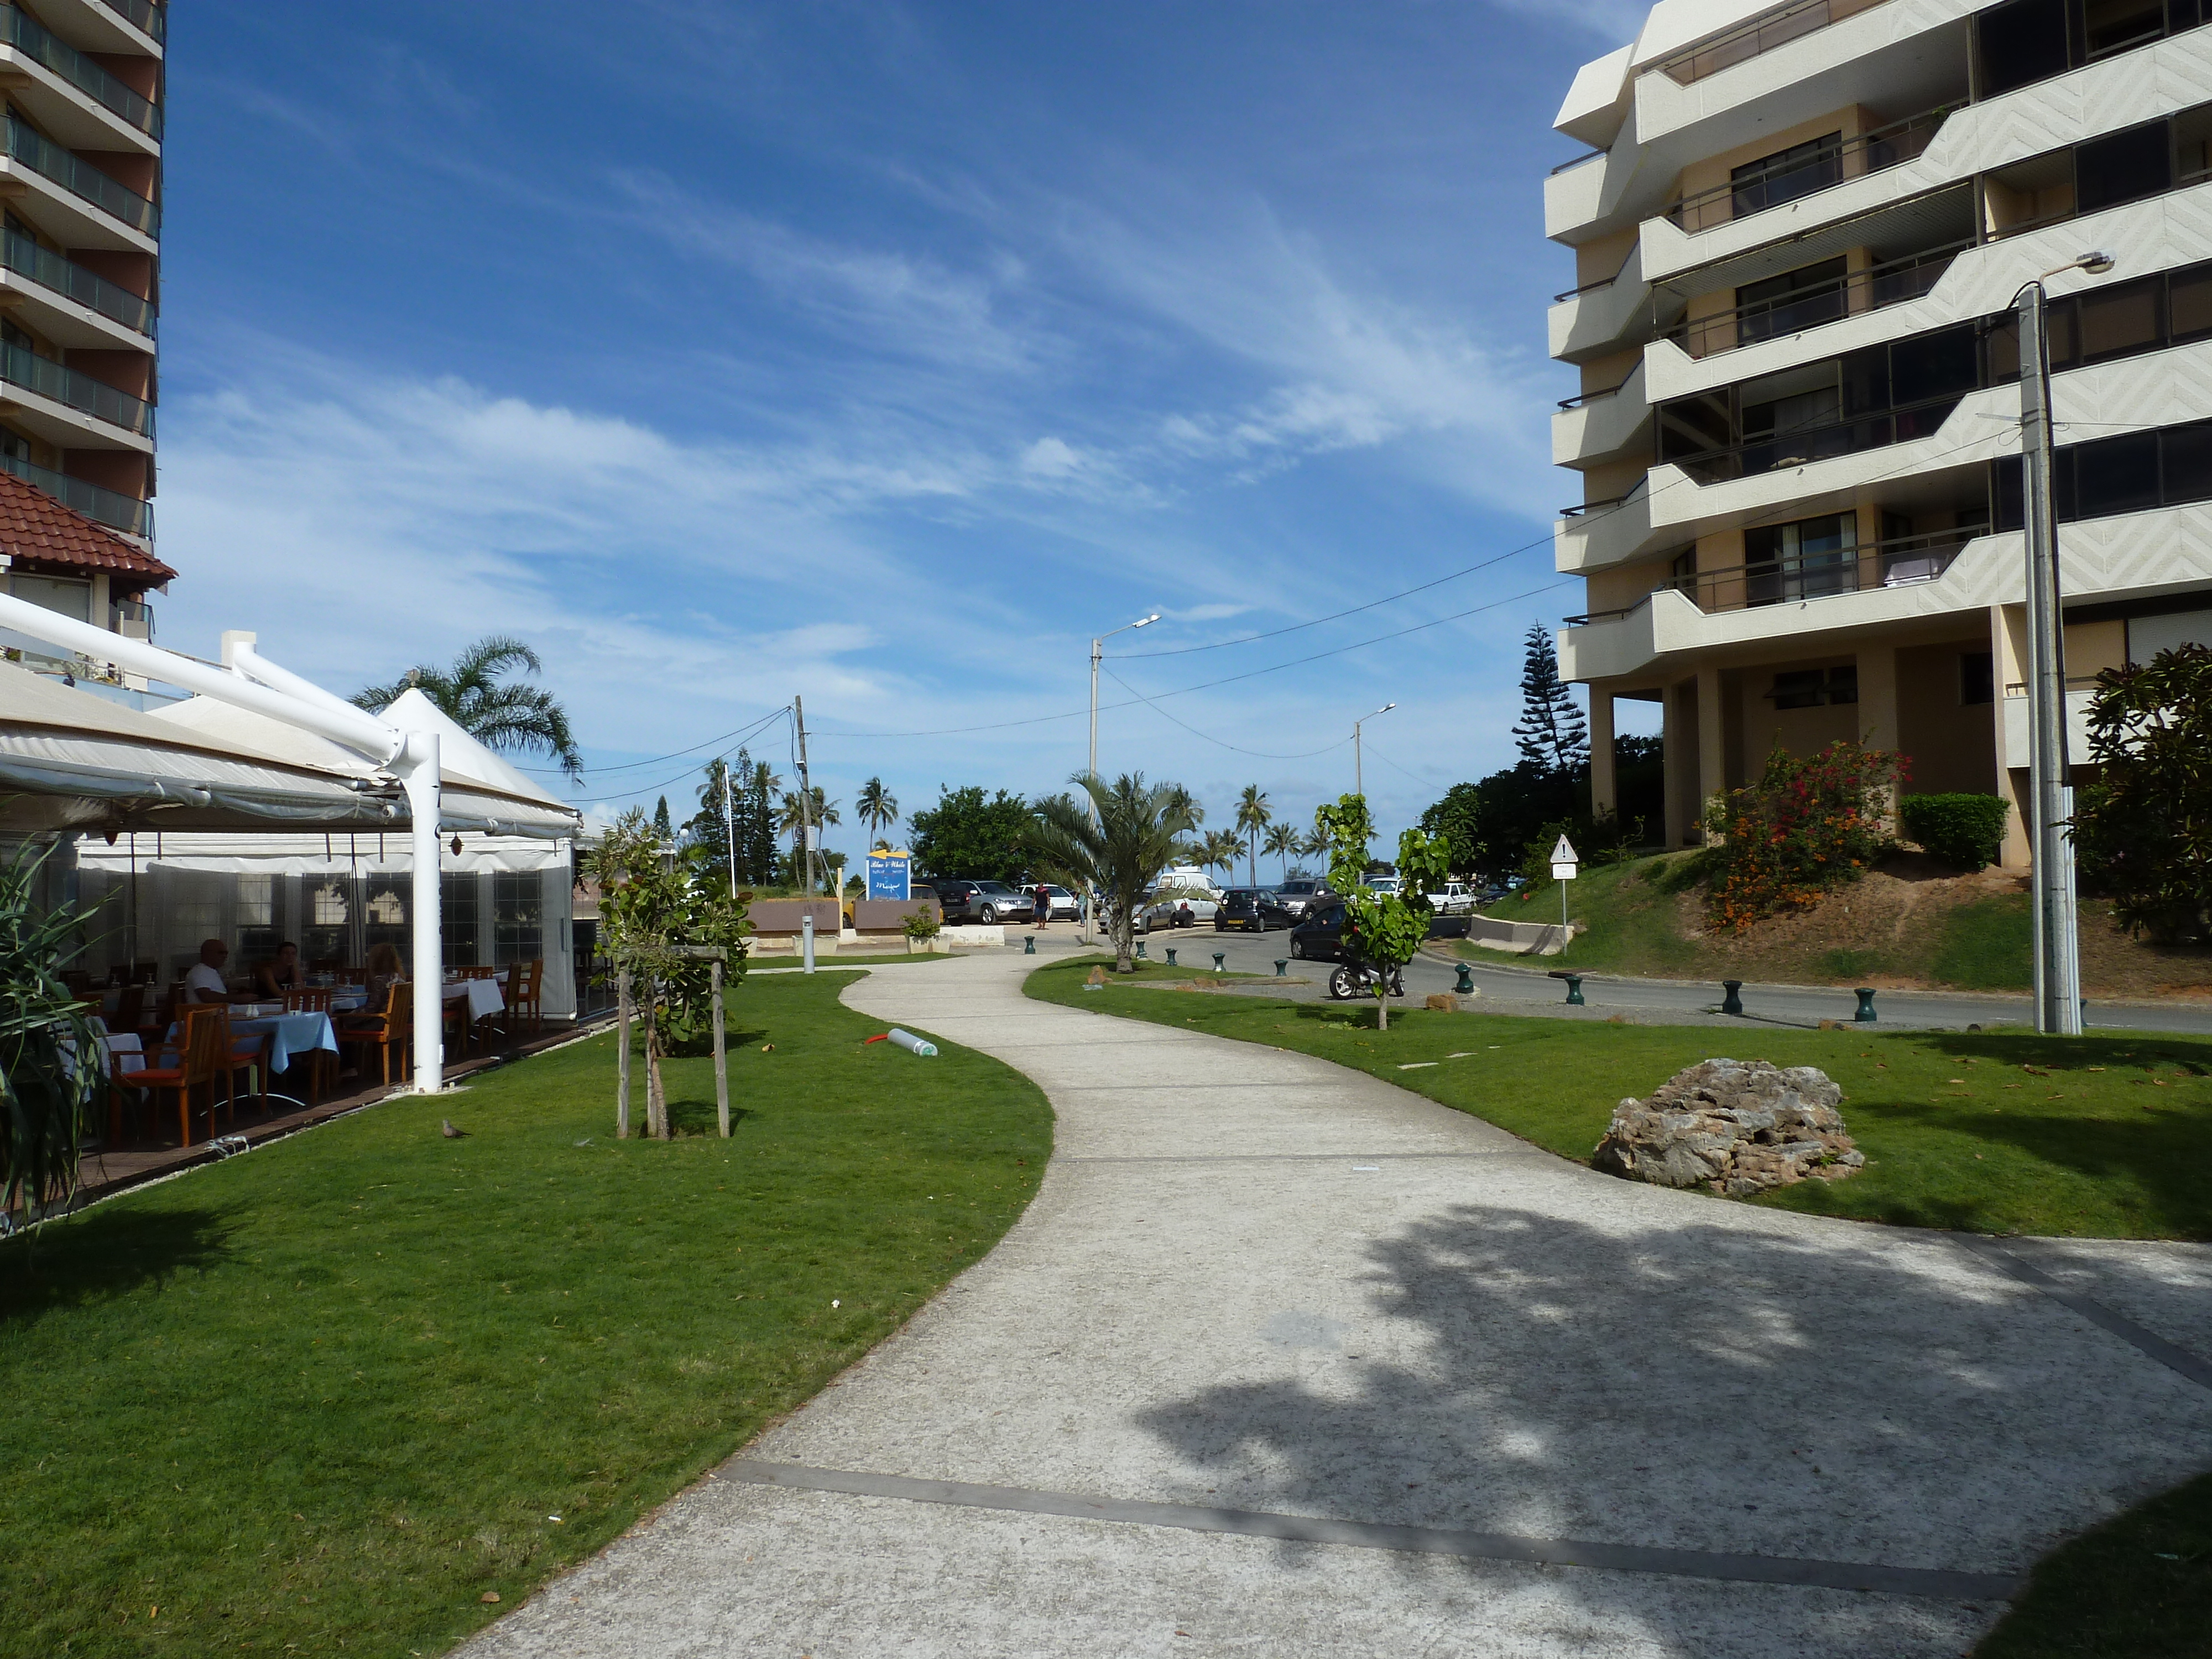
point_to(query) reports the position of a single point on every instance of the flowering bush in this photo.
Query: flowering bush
(1808, 824)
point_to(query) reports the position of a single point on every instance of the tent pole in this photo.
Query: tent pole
(418, 771)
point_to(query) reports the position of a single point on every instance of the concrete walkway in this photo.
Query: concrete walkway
(1284, 1361)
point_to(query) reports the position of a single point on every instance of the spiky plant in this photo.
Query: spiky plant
(1138, 832)
(45, 1091)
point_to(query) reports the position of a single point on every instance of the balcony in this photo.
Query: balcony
(60, 384)
(1602, 426)
(126, 514)
(80, 180)
(20, 254)
(67, 63)
(1873, 288)
(1807, 170)
(148, 19)
(1895, 563)
(1602, 316)
(1599, 533)
(1762, 34)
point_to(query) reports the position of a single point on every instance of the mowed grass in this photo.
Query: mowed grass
(324, 1397)
(2097, 1137)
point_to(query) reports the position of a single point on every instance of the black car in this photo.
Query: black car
(1251, 911)
(1320, 937)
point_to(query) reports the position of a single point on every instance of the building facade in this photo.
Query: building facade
(1797, 238)
(80, 272)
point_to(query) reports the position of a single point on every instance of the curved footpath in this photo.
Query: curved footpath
(1284, 1361)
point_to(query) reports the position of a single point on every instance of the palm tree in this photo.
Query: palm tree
(878, 808)
(1253, 815)
(525, 719)
(1220, 849)
(1186, 803)
(1283, 840)
(1138, 831)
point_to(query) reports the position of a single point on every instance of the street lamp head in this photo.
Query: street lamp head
(2096, 261)
(1147, 622)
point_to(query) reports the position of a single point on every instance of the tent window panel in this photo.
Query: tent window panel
(2117, 475)
(257, 918)
(457, 931)
(2118, 321)
(517, 901)
(2125, 166)
(384, 912)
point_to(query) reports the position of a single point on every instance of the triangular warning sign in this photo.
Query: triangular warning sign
(1564, 852)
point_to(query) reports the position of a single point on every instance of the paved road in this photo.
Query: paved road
(1668, 1001)
(1283, 1361)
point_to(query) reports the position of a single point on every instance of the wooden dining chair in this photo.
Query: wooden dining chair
(525, 993)
(129, 1009)
(246, 1056)
(188, 1064)
(392, 1025)
(313, 999)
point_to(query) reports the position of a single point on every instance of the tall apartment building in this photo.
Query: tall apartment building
(1797, 242)
(80, 250)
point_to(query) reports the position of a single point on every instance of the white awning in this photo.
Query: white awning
(367, 851)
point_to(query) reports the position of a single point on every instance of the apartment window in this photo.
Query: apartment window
(1810, 559)
(1977, 678)
(2128, 473)
(1787, 174)
(2186, 463)
(1798, 688)
(2188, 303)
(2025, 41)
(2122, 166)
(2118, 322)
(1794, 301)
(2116, 475)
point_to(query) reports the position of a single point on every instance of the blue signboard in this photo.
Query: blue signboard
(890, 876)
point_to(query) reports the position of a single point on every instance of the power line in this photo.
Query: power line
(1259, 753)
(739, 735)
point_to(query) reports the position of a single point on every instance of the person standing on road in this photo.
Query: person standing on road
(1043, 897)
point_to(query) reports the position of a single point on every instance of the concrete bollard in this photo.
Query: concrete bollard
(1866, 1014)
(1730, 1002)
(1466, 980)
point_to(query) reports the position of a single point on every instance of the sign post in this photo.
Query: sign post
(890, 875)
(1564, 860)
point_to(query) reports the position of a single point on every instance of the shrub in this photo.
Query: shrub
(921, 922)
(2143, 827)
(1805, 826)
(1967, 830)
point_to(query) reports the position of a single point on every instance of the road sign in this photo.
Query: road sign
(889, 875)
(1563, 861)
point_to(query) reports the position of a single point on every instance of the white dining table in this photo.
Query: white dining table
(484, 996)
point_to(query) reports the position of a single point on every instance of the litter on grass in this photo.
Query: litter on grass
(910, 1043)
(1415, 1065)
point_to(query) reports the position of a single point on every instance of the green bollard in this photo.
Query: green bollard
(1866, 1014)
(1140, 951)
(1217, 956)
(1575, 990)
(1171, 961)
(1730, 1002)
(1466, 980)
(1028, 944)
(1282, 966)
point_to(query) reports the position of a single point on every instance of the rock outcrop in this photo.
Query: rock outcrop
(1736, 1127)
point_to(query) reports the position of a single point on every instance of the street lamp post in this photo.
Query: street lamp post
(2058, 940)
(1098, 651)
(1358, 766)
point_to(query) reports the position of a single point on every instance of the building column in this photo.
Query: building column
(1712, 752)
(1878, 728)
(1604, 794)
(2004, 667)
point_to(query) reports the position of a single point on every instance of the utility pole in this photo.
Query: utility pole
(2057, 939)
(1098, 650)
(729, 828)
(1358, 767)
(806, 794)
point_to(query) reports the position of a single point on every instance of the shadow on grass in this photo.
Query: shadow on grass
(700, 1117)
(107, 1253)
(1501, 1370)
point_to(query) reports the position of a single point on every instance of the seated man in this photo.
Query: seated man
(204, 983)
(285, 974)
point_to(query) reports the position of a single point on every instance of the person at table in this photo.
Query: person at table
(284, 973)
(204, 983)
(384, 973)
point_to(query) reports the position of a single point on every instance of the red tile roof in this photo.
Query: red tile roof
(37, 528)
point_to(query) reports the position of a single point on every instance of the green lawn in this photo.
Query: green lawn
(2104, 1137)
(2139, 1587)
(328, 1395)
(824, 960)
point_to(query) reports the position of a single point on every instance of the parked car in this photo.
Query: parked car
(1456, 899)
(1297, 896)
(987, 902)
(1381, 884)
(1174, 910)
(1320, 937)
(1250, 910)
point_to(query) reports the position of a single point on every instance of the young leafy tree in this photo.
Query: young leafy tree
(1551, 733)
(1282, 841)
(1457, 821)
(649, 912)
(1253, 815)
(525, 719)
(2143, 828)
(1383, 930)
(1138, 834)
(969, 836)
(878, 808)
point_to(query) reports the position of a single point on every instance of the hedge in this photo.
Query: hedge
(1964, 829)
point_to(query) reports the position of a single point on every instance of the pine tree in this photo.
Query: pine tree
(1550, 733)
(663, 826)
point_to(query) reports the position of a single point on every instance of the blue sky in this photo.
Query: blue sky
(881, 354)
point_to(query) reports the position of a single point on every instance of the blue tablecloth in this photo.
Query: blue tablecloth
(287, 1035)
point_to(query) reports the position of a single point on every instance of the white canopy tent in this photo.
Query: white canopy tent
(280, 752)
